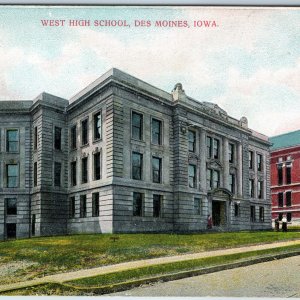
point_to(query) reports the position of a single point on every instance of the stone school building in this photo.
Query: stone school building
(125, 156)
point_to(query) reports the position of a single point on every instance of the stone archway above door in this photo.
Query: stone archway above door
(220, 193)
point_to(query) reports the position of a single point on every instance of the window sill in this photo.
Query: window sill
(95, 141)
(84, 146)
(138, 141)
(157, 145)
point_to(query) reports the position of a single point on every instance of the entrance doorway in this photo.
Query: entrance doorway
(219, 213)
(11, 231)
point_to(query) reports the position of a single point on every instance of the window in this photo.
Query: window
(231, 153)
(216, 179)
(98, 126)
(84, 132)
(288, 172)
(260, 189)
(213, 178)
(97, 166)
(280, 217)
(74, 137)
(280, 176)
(232, 183)
(280, 199)
(11, 230)
(137, 126)
(137, 204)
(84, 170)
(289, 216)
(192, 141)
(251, 188)
(209, 179)
(137, 165)
(156, 169)
(197, 206)
(156, 131)
(73, 173)
(35, 174)
(12, 140)
(252, 213)
(259, 162)
(35, 142)
(82, 206)
(288, 198)
(261, 214)
(236, 209)
(216, 145)
(57, 138)
(72, 207)
(212, 147)
(95, 205)
(157, 204)
(57, 174)
(192, 176)
(208, 147)
(250, 159)
(11, 206)
(12, 175)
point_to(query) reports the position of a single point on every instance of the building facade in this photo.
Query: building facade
(285, 177)
(124, 156)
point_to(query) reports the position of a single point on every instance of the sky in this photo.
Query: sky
(247, 61)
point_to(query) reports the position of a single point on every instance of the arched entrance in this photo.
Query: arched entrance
(220, 199)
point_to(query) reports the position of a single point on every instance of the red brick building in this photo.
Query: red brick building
(285, 176)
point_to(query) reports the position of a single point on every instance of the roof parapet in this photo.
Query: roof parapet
(259, 135)
(14, 105)
(51, 99)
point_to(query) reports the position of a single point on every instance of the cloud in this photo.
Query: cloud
(287, 76)
(269, 98)
(10, 58)
(228, 65)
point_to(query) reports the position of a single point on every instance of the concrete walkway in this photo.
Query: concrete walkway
(63, 277)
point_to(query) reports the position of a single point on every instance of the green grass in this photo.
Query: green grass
(89, 284)
(294, 227)
(144, 272)
(52, 255)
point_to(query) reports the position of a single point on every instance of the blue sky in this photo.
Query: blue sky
(249, 65)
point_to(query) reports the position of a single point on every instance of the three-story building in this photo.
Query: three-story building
(124, 156)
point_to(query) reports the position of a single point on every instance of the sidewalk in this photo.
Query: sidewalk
(63, 277)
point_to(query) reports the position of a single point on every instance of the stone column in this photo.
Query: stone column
(202, 144)
(225, 163)
(202, 160)
(264, 167)
(240, 170)
(255, 174)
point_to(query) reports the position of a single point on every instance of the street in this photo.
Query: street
(279, 278)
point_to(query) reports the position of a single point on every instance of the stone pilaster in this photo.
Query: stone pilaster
(202, 160)
(240, 170)
(225, 164)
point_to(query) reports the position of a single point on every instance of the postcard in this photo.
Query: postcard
(149, 151)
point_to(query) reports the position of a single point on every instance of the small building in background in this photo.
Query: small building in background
(285, 176)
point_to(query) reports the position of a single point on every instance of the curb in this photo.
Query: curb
(118, 287)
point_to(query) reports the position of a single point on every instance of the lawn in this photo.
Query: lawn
(30, 258)
(104, 283)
